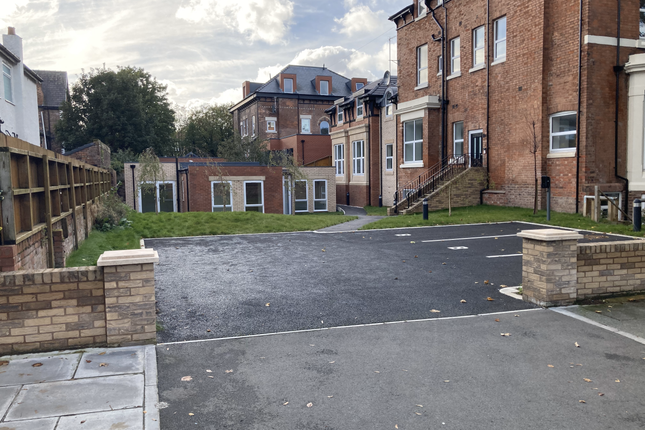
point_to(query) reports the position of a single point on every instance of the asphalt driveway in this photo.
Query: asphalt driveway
(223, 286)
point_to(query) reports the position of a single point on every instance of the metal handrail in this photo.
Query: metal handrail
(431, 179)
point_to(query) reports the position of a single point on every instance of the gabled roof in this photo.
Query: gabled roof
(5, 52)
(406, 10)
(33, 75)
(375, 90)
(54, 87)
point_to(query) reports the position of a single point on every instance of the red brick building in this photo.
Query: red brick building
(494, 80)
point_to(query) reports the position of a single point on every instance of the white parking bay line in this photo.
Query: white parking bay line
(503, 256)
(469, 238)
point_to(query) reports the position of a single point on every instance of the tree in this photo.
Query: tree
(534, 148)
(150, 172)
(205, 129)
(126, 109)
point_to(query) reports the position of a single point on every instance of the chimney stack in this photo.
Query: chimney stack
(11, 31)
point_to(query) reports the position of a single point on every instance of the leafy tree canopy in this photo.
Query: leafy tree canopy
(125, 109)
(204, 129)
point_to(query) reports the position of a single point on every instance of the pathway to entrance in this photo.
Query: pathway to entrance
(349, 226)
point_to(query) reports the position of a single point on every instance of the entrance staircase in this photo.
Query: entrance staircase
(409, 197)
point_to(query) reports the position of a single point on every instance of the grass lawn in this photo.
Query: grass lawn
(491, 214)
(376, 211)
(172, 224)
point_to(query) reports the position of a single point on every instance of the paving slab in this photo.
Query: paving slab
(7, 394)
(618, 313)
(126, 419)
(111, 362)
(44, 424)
(21, 371)
(78, 397)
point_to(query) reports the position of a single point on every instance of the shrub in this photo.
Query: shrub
(112, 212)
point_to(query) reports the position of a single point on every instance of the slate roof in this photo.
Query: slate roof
(376, 90)
(306, 82)
(54, 87)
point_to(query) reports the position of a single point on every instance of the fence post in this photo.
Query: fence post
(51, 260)
(130, 310)
(550, 266)
(8, 221)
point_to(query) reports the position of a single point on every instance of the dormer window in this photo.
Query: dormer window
(288, 85)
(324, 88)
(340, 116)
(359, 85)
(423, 9)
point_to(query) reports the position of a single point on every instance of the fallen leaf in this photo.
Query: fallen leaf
(417, 413)
(285, 403)
(268, 304)
(443, 264)
(323, 250)
(412, 241)
(617, 380)
(83, 422)
(396, 426)
(486, 282)
(463, 301)
(309, 404)
(191, 414)
(434, 311)
(404, 261)
(496, 319)
(581, 401)
(601, 394)
(430, 271)
(490, 299)
(551, 365)
(186, 379)
(88, 361)
(576, 344)
(6, 363)
(331, 362)
(211, 377)
(103, 365)
(209, 371)
(587, 380)
(37, 365)
(376, 371)
(516, 315)
(416, 256)
(209, 330)
(598, 312)
(228, 371)
(329, 397)
(502, 286)
(505, 334)
(447, 380)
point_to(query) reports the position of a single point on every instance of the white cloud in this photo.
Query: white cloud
(361, 20)
(264, 20)
(266, 73)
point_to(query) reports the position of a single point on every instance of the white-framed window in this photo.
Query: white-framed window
(358, 157)
(458, 139)
(320, 195)
(241, 128)
(642, 21)
(440, 65)
(422, 65)
(359, 108)
(479, 57)
(305, 125)
(499, 29)
(439, 2)
(455, 55)
(271, 126)
(389, 110)
(253, 125)
(413, 141)
(563, 131)
(324, 88)
(359, 85)
(222, 196)
(340, 115)
(324, 127)
(254, 196)
(339, 155)
(6, 78)
(288, 85)
(301, 196)
(423, 9)
(389, 157)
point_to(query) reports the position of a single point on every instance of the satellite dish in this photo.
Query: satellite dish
(386, 78)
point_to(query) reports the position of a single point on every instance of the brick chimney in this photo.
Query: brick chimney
(246, 88)
(11, 31)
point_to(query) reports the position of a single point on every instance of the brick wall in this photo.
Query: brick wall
(315, 147)
(98, 154)
(610, 268)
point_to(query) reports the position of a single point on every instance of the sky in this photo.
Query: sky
(204, 49)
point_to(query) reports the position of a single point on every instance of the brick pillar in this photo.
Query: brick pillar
(59, 251)
(9, 258)
(549, 266)
(129, 278)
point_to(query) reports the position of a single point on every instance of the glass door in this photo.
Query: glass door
(166, 192)
(476, 148)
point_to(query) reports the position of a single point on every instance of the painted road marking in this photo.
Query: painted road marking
(402, 235)
(457, 248)
(503, 256)
(469, 238)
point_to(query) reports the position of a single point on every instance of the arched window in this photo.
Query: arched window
(324, 127)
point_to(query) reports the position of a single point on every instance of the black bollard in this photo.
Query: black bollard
(380, 201)
(425, 209)
(347, 199)
(637, 215)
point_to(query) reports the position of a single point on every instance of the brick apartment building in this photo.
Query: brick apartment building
(363, 141)
(476, 75)
(289, 110)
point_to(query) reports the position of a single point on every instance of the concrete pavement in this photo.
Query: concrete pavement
(92, 389)
(349, 226)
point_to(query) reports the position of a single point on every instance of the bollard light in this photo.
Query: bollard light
(425, 209)
(637, 215)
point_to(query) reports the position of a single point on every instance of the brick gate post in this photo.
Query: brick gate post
(549, 266)
(129, 279)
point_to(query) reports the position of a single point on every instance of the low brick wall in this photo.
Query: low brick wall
(610, 268)
(55, 309)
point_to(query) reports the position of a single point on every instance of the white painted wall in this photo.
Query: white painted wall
(635, 127)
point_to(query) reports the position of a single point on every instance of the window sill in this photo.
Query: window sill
(477, 68)
(420, 17)
(561, 154)
(411, 165)
(273, 132)
(420, 87)
(498, 61)
(439, 74)
(10, 102)
(453, 76)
